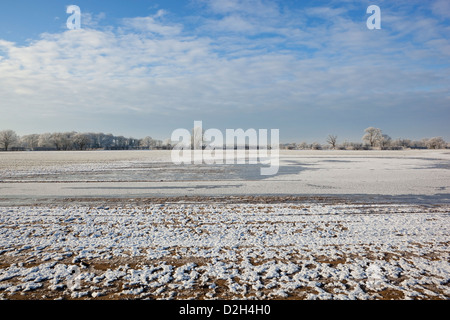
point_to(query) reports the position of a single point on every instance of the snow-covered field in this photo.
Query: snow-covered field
(414, 174)
(214, 250)
(303, 234)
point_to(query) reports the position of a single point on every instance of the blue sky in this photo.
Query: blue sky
(309, 68)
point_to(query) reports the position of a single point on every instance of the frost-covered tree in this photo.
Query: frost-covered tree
(158, 144)
(62, 141)
(120, 142)
(302, 145)
(106, 140)
(167, 144)
(197, 138)
(435, 143)
(30, 141)
(401, 143)
(372, 136)
(8, 138)
(45, 140)
(384, 142)
(146, 142)
(81, 141)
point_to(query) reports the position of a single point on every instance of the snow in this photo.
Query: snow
(73, 226)
(415, 175)
(328, 251)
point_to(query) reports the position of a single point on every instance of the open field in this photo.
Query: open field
(406, 175)
(131, 225)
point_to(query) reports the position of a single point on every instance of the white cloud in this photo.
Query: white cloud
(261, 8)
(153, 66)
(325, 12)
(152, 25)
(441, 8)
(90, 20)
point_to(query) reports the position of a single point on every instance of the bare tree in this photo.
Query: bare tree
(106, 140)
(81, 141)
(120, 142)
(384, 142)
(8, 138)
(345, 145)
(401, 143)
(132, 143)
(332, 140)
(372, 136)
(159, 143)
(55, 138)
(45, 141)
(146, 142)
(302, 145)
(167, 144)
(356, 146)
(30, 141)
(62, 141)
(197, 138)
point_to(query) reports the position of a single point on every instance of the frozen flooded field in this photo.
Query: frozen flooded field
(131, 225)
(413, 175)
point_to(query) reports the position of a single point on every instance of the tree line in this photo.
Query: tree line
(9, 140)
(373, 138)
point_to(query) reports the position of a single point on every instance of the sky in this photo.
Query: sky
(145, 68)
